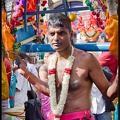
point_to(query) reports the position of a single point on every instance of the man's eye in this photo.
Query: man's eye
(52, 34)
(61, 33)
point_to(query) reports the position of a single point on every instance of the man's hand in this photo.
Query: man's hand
(22, 66)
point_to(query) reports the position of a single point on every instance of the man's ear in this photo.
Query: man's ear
(71, 34)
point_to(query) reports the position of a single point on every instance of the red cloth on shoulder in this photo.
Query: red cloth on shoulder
(108, 59)
(8, 68)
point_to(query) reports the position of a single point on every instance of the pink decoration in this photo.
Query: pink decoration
(98, 19)
(16, 7)
(11, 26)
(100, 22)
(15, 19)
(102, 27)
(93, 12)
(41, 30)
(15, 14)
(97, 14)
(41, 23)
(40, 34)
(43, 3)
(15, 35)
(12, 22)
(19, 12)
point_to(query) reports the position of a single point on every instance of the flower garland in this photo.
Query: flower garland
(57, 109)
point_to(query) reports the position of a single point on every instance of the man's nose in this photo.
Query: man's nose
(56, 37)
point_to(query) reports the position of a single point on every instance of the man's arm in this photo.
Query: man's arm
(98, 77)
(39, 84)
(43, 73)
(112, 91)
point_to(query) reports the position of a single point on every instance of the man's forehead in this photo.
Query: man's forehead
(56, 28)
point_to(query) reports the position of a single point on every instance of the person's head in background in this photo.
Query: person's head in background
(102, 38)
(16, 64)
(46, 55)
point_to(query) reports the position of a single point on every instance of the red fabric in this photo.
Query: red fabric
(108, 59)
(72, 116)
(11, 97)
(8, 68)
(51, 71)
(68, 70)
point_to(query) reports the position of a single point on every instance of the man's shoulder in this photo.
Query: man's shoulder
(43, 68)
(82, 53)
(50, 57)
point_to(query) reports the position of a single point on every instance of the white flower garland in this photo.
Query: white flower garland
(57, 109)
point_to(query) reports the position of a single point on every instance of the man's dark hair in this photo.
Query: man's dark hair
(59, 20)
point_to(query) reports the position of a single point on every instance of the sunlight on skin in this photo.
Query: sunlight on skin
(78, 71)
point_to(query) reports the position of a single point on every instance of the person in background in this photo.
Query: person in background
(32, 68)
(21, 87)
(102, 38)
(5, 90)
(109, 63)
(8, 68)
(107, 58)
(71, 73)
(45, 100)
(111, 29)
(99, 108)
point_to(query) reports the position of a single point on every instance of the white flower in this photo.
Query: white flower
(58, 108)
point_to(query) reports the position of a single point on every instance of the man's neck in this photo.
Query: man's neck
(65, 53)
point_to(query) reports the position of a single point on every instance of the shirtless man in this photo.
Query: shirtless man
(79, 71)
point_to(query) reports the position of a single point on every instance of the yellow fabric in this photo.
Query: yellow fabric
(111, 30)
(7, 37)
(5, 84)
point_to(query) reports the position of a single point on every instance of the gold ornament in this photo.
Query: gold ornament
(73, 17)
